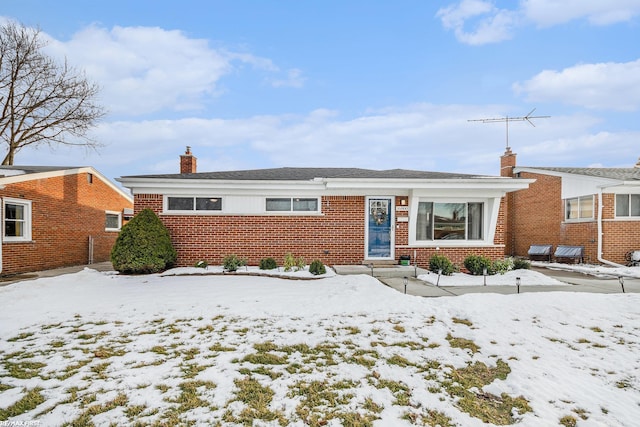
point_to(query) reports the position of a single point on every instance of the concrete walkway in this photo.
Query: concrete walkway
(575, 282)
(100, 266)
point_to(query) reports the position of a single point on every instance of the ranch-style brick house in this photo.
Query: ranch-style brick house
(336, 215)
(58, 216)
(596, 208)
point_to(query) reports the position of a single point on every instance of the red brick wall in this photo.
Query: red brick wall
(538, 218)
(620, 236)
(336, 237)
(66, 210)
(536, 213)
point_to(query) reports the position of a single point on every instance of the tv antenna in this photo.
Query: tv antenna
(508, 119)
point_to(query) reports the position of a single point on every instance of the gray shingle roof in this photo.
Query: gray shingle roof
(624, 174)
(33, 169)
(306, 174)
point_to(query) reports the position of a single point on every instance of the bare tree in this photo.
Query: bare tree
(42, 101)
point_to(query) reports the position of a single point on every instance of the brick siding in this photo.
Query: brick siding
(336, 237)
(66, 210)
(537, 217)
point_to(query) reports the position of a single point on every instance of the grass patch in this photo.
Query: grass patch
(428, 417)
(465, 322)
(21, 336)
(189, 398)
(399, 390)
(107, 352)
(218, 348)
(23, 370)
(463, 343)
(489, 408)
(73, 369)
(265, 359)
(28, 402)
(568, 421)
(256, 399)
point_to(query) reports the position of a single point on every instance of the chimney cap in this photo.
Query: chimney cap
(638, 163)
(188, 151)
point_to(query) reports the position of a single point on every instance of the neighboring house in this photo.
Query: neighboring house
(597, 208)
(337, 215)
(58, 216)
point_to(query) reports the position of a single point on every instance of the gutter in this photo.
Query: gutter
(600, 258)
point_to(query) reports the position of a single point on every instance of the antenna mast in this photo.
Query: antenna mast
(508, 119)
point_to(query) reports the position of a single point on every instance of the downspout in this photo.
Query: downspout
(600, 258)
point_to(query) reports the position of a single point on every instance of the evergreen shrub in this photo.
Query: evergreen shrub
(317, 267)
(268, 264)
(143, 246)
(441, 262)
(232, 262)
(475, 264)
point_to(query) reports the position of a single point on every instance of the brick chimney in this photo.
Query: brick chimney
(507, 162)
(188, 162)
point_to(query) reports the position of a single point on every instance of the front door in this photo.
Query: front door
(379, 228)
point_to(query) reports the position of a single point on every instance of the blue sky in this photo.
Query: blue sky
(371, 84)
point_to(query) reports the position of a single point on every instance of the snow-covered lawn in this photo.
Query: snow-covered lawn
(101, 348)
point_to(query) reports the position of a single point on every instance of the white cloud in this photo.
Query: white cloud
(491, 24)
(421, 136)
(478, 22)
(148, 69)
(614, 86)
(553, 12)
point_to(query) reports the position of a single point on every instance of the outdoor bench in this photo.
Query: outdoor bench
(575, 253)
(540, 251)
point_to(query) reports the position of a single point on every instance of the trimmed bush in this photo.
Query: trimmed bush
(441, 262)
(232, 262)
(143, 246)
(268, 264)
(501, 266)
(201, 264)
(477, 263)
(521, 264)
(317, 267)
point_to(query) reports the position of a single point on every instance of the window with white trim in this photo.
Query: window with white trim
(627, 205)
(291, 204)
(194, 203)
(578, 208)
(450, 221)
(113, 221)
(17, 220)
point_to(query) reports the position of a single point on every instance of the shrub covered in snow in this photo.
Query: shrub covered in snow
(143, 246)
